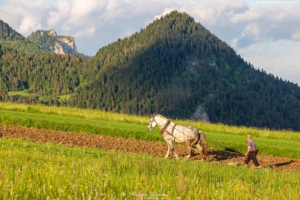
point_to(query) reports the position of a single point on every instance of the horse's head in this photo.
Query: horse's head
(152, 123)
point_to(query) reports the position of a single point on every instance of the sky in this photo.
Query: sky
(265, 33)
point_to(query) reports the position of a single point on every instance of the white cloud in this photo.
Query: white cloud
(279, 58)
(85, 32)
(62, 12)
(166, 11)
(213, 12)
(28, 24)
(25, 16)
(253, 29)
(296, 36)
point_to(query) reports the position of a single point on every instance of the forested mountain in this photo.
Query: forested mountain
(170, 67)
(13, 39)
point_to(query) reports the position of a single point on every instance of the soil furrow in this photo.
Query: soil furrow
(138, 146)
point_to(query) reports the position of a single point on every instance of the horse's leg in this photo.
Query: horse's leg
(200, 148)
(168, 152)
(172, 149)
(190, 154)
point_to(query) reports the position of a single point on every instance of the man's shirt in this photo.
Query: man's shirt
(252, 145)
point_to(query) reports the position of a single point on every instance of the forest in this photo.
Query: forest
(170, 67)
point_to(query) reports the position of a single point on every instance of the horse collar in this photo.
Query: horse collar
(165, 126)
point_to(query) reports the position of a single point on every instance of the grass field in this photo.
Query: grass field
(125, 129)
(48, 171)
(21, 93)
(25, 93)
(101, 115)
(43, 98)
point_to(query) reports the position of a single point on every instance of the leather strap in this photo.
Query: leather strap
(165, 126)
(173, 129)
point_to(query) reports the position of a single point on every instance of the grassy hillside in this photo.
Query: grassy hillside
(43, 98)
(59, 172)
(15, 40)
(137, 129)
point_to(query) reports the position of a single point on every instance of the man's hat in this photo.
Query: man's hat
(248, 136)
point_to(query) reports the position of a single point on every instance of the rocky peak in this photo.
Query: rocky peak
(65, 45)
(200, 115)
(52, 32)
(48, 39)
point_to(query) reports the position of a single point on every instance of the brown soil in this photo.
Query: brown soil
(138, 146)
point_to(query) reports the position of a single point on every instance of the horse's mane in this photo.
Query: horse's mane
(161, 116)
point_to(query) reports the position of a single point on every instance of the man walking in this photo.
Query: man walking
(251, 152)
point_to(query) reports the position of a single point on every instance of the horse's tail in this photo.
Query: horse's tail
(203, 142)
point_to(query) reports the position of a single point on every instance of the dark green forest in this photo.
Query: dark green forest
(170, 67)
(45, 75)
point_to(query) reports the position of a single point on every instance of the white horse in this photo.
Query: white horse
(176, 133)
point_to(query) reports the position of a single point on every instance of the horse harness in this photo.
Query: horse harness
(166, 126)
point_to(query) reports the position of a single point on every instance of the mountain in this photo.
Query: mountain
(11, 38)
(178, 68)
(54, 43)
(174, 67)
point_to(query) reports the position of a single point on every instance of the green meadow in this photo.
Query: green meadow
(119, 125)
(48, 171)
(108, 116)
(25, 93)
(20, 93)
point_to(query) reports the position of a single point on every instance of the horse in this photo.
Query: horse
(177, 133)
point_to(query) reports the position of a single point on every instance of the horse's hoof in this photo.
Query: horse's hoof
(166, 157)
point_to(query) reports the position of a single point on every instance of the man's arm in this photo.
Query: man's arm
(248, 150)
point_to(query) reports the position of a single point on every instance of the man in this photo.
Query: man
(251, 152)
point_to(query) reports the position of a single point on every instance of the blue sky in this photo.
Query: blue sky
(264, 32)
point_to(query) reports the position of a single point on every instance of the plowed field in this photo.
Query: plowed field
(138, 146)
